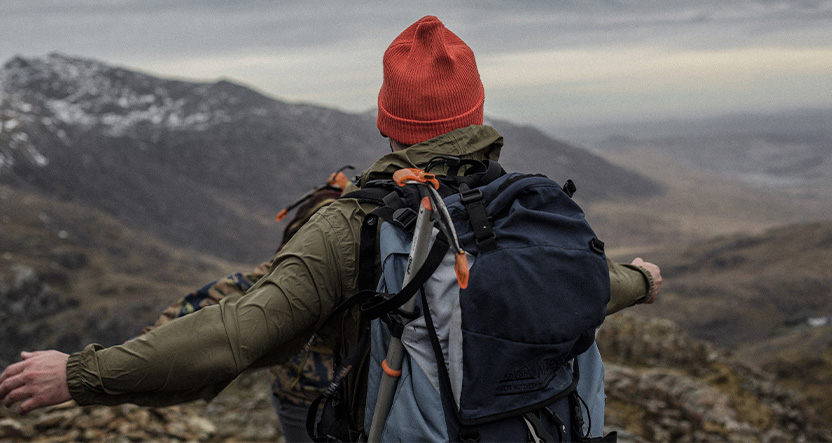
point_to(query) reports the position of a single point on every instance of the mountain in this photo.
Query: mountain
(208, 165)
(203, 165)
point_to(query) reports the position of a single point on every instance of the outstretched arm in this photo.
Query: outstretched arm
(199, 354)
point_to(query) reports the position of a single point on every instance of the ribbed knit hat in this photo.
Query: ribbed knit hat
(431, 84)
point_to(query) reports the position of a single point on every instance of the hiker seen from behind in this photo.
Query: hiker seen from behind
(430, 106)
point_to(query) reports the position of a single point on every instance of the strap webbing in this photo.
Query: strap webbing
(333, 424)
(475, 207)
(383, 303)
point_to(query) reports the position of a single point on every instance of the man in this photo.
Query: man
(430, 103)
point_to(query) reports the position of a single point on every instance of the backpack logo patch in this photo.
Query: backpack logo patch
(530, 378)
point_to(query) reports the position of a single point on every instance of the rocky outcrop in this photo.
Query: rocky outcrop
(663, 385)
(27, 297)
(241, 414)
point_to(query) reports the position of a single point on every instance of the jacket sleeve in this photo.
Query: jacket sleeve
(629, 285)
(199, 354)
(210, 294)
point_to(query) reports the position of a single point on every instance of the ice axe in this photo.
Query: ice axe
(430, 203)
(338, 180)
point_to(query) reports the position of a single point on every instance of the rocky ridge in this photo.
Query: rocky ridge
(663, 385)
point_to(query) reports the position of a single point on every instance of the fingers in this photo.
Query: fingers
(23, 393)
(17, 391)
(11, 382)
(7, 379)
(31, 404)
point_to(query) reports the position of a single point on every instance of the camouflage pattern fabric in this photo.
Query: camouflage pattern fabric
(211, 294)
(303, 378)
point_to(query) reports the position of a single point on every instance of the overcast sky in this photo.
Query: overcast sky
(550, 63)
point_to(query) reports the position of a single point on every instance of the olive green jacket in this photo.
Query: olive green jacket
(197, 355)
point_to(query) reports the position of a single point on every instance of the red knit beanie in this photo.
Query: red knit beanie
(431, 84)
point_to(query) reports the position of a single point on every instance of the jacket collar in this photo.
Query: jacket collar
(476, 141)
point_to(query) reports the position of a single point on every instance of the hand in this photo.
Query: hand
(39, 380)
(655, 272)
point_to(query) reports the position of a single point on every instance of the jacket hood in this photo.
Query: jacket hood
(477, 142)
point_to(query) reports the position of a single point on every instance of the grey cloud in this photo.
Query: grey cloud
(209, 26)
(349, 37)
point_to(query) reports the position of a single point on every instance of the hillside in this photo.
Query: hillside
(695, 206)
(765, 296)
(207, 165)
(755, 287)
(663, 385)
(73, 275)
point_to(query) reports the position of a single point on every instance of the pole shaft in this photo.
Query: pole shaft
(395, 351)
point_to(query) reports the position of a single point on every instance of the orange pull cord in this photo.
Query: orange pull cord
(403, 176)
(338, 180)
(461, 269)
(387, 370)
(281, 215)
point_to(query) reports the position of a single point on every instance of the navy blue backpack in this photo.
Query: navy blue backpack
(497, 357)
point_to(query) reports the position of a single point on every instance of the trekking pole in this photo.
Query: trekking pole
(419, 247)
(338, 180)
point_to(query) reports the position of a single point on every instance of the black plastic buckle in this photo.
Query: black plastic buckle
(469, 435)
(470, 196)
(404, 218)
(397, 320)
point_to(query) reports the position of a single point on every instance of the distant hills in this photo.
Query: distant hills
(208, 165)
(800, 122)
(757, 285)
(801, 163)
(789, 151)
